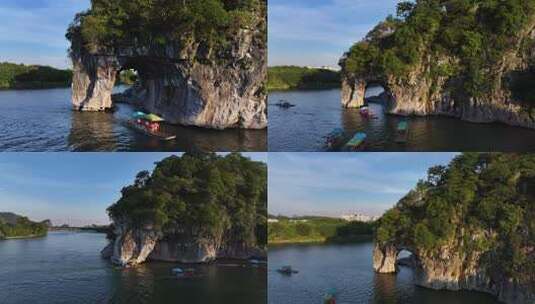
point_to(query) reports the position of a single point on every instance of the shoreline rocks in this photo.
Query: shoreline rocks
(133, 246)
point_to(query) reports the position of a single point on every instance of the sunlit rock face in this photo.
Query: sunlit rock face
(133, 245)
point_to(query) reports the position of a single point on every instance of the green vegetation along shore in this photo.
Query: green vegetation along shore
(293, 78)
(14, 226)
(313, 229)
(20, 76)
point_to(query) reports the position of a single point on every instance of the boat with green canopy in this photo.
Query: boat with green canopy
(149, 124)
(356, 142)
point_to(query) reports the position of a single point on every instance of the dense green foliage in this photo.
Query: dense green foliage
(485, 203)
(19, 76)
(316, 229)
(473, 36)
(200, 195)
(13, 226)
(159, 22)
(293, 77)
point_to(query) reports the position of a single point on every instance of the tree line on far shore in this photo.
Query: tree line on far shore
(12, 225)
(317, 229)
(294, 77)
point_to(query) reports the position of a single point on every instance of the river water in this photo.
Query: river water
(302, 128)
(42, 120)
(66, 267)
(348, 270)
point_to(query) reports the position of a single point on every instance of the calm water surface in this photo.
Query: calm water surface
(303, 128)
(42, 120)
(348, 269)
(66, 267)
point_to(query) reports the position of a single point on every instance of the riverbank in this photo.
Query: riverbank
(314, 229)
(325, 241)
(29, 77)
(22, 237)
(286, 78)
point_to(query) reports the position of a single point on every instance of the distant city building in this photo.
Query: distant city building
(358, 217)
(325, 67)
(271, 220)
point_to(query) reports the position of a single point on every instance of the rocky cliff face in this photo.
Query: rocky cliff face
(185, 84)
(421, 92)
(133, 246)
(452, 271)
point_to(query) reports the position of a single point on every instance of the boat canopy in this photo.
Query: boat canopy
(139, 114)
(153, 118)
(402, 125)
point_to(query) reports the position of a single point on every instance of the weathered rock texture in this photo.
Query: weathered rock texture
(133, 246)
(452, 271)
(184, 84)
(419, 92)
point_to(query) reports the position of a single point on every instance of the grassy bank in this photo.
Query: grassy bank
(20, 76)
(317, 230)
(294, 78)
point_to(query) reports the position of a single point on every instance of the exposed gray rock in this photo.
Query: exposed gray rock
(183, 84)
(451, 271)
(134, 246)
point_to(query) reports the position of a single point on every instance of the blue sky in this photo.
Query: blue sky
(333, 184)
(318, 32)
(33, 31)
(72, 188)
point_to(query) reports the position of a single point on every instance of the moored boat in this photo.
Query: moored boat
(357, 141)
(334, 138)
(149, 124)
(287, 270)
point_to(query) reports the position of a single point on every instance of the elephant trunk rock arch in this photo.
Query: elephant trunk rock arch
(195, 92)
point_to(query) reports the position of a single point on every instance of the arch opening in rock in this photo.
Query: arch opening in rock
(358, 92)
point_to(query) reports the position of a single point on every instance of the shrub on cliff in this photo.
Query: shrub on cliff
(481, 202)
(202, 195)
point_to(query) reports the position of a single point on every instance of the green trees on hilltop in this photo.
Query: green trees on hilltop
(471, 37)
(142, 22)
(483, 202)
(203, 195)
